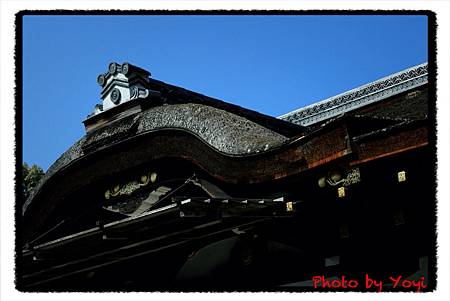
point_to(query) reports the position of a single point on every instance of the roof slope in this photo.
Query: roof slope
(228, 129)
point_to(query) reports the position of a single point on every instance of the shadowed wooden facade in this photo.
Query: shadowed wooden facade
(175, 191)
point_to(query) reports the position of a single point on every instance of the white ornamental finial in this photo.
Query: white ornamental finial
(120, 84)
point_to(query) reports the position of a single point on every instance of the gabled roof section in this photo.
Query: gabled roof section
(128, 90)
(367, 94)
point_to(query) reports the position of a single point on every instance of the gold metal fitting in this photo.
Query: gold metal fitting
(322, 182)
(341, 192)
(401, 175)
(144, 179)
(153, 176)
(289, 206)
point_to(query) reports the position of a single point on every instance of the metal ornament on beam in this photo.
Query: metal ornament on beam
(353, 176)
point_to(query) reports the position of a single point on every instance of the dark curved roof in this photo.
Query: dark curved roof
(228, 129)
(226, 132)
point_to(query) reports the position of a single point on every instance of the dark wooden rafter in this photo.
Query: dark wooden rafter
(389, 145)
(90, 258)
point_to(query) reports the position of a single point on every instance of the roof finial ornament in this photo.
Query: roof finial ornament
(122, 83)
(122, 87)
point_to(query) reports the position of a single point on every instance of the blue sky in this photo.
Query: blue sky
(271, 64)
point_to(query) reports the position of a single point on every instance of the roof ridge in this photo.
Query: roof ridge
(368, 93)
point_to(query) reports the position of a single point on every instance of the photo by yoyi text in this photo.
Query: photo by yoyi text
(369, 283)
